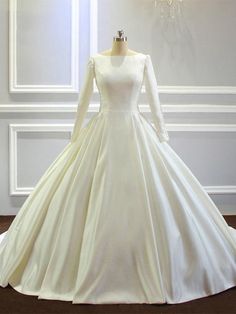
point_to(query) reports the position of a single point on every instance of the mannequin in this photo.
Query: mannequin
(119, 46)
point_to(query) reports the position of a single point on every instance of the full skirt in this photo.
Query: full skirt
(118, 217)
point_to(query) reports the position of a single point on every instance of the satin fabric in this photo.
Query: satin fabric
(118, 217)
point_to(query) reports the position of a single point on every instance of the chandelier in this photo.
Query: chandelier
(169, 8)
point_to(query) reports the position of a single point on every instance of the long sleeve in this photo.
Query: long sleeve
(84, 98)
(154, 101)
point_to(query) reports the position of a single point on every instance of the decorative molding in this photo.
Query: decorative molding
(71, 107)
(199, 108)
(14, 87)
(214, 90)
(220, 189)
(45, 108)
(191, 108)
(201, 127)
(14, 129)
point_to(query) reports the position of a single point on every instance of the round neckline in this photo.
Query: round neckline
(123, 56)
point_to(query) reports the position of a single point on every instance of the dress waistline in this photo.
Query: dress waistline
(118, 110)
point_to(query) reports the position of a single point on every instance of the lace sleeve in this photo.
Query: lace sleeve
(84, 98)
(154, 101)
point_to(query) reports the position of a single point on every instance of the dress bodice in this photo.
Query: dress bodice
(119, 80)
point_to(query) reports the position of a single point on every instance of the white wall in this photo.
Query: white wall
(42, 59)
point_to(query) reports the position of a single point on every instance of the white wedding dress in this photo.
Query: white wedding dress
(118, 217)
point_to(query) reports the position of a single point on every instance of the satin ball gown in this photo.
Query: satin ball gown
(118, 217)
